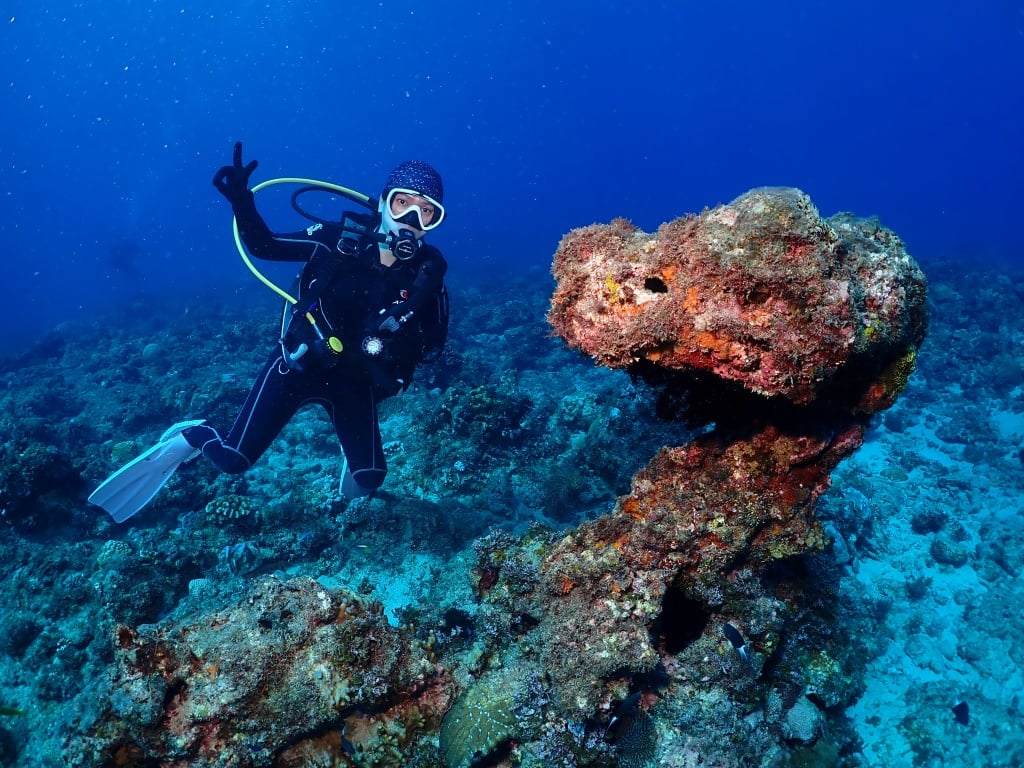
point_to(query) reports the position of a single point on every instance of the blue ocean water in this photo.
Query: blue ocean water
(540, 117)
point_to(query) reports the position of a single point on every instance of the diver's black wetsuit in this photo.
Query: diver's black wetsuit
(345, 287)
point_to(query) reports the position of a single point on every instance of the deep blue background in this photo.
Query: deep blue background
(542, 116)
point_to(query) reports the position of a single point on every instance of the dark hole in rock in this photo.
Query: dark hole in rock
(456, 622)
(681, 621)
(522, 623)
(655, 285)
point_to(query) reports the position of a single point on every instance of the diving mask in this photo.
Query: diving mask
(407, 208)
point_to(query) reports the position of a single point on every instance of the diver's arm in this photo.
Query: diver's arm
(232, 181)
(264, 244)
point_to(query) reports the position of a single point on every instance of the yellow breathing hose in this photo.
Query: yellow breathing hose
(333, 343)
(287, 180)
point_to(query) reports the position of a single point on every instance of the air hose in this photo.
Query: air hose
(331, 344)
(344, 191)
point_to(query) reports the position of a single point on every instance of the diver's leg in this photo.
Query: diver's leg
(272, 401)
(354, 414)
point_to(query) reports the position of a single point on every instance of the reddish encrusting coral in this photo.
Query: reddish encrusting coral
(273, 670)
(761, 291)
(695, 513)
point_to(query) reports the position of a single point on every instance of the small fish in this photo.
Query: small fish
(347, 746)
(12, 712)
(961, 713)
(736, 640)
(628, 709)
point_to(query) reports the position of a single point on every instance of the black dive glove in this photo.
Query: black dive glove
(232, 181)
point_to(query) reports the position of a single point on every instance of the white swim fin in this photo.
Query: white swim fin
(132, 487)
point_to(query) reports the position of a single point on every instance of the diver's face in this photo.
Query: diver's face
(403, 201)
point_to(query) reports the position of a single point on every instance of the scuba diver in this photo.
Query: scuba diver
(371, 305)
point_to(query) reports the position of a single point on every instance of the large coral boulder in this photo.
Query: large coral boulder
(762, 292)
(785, 331)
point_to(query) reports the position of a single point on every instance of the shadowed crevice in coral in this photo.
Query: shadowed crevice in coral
(681, 622)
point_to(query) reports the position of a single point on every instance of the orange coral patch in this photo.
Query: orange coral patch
(711, 343)
(631, 507)
(692, 301)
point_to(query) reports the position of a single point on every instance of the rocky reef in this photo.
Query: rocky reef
(695, 623)
(275, 678)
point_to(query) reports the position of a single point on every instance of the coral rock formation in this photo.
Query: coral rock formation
(778, 327)
(695, 514)
(761, 292)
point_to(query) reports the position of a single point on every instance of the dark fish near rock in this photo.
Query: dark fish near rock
(347, 746)
(961, 713)
(736, 640)
(628, 708)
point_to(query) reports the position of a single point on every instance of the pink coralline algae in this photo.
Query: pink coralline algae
(762, 292)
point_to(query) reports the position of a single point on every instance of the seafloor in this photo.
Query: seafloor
(508, 431)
